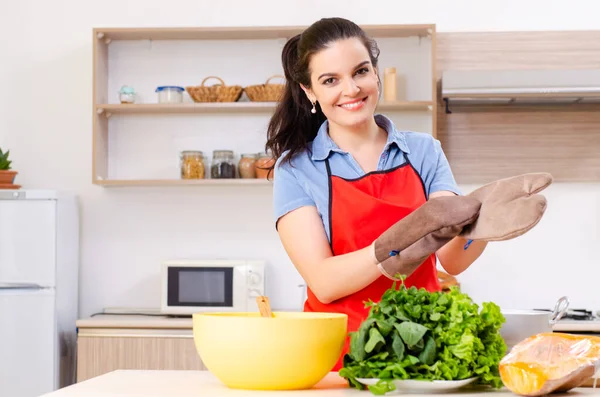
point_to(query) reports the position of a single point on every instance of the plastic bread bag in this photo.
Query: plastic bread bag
(550, 362)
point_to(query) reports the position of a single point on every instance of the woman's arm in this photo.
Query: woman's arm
(452, 256)
(455, 259)
(329, 277)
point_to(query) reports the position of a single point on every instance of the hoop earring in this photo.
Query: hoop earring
(313, 110)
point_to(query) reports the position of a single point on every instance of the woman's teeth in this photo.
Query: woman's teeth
(353, 105)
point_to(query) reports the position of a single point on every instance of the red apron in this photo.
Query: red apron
(359, 211)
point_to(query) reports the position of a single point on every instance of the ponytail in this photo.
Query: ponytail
(293, 126)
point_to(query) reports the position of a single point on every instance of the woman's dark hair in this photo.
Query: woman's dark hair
(293, 126)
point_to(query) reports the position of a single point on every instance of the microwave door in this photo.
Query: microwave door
(200, 287)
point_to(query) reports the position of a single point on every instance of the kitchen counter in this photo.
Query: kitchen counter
(141, 321)
(137, 321)
(148, 320)
(133, 383)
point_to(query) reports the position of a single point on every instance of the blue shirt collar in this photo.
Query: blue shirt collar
(323, 144)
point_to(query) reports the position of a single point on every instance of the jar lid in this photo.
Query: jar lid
(222, 152)
(253, 155)
(265, 154)
(169, 87)
(127, 90)
(191, 152)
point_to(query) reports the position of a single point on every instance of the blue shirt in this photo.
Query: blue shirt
(305, 182)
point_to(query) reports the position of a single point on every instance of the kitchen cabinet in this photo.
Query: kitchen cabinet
(138, 144)
(106, 343)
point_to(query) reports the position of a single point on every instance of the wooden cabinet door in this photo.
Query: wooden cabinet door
(97, 355)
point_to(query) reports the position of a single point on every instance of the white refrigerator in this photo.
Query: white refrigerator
(39, 267)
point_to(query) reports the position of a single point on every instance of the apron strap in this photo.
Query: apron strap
(328, 167)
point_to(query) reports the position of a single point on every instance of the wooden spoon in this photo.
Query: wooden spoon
(264, 306)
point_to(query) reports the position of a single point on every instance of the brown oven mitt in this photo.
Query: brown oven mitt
(406, 244)
(510, 207)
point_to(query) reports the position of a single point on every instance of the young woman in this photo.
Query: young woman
(344, 175)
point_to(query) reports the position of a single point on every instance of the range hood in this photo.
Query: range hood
(491, 87)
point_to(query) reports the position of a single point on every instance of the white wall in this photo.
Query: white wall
(45, 119)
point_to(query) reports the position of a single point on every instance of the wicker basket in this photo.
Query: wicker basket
(215, 93)
(265, 92)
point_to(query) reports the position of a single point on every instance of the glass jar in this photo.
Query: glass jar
(246, 166)
(192, 164)
(170, 94)
(222, 166)
(262, 165)
(127, 94)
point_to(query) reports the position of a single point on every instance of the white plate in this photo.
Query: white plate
(422, 385)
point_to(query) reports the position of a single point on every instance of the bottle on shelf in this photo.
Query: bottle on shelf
(390, 91)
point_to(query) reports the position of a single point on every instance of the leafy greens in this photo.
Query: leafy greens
(412, 333)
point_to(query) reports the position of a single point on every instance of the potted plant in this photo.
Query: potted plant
(7, 176)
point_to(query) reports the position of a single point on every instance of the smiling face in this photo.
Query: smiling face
(344, 82)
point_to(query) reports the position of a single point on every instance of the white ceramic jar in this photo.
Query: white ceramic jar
(170, 94)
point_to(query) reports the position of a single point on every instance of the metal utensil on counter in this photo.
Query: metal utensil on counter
(560, 309)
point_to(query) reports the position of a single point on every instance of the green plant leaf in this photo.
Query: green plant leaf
(382, 387)
(398, 346)
(401, 315)
(4, 161)
(427, 356)
(375, 338)
(410, 332)
(384, 327)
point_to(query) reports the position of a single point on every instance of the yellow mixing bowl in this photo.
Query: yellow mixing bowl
(293, 350)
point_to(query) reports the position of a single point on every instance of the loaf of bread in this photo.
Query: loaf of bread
(550, 362)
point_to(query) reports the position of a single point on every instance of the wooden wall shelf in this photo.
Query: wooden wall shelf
(143, 57)
(247, 33)
(236, 107)
(178, 182)
(188, 182)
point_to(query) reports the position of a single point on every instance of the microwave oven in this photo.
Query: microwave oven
(192, 286)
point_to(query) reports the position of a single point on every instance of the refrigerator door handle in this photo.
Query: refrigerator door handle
(13, 195)
(20, 286)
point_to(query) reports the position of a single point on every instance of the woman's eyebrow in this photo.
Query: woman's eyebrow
(333, 74)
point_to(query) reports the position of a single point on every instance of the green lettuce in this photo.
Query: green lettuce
(415, 334)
